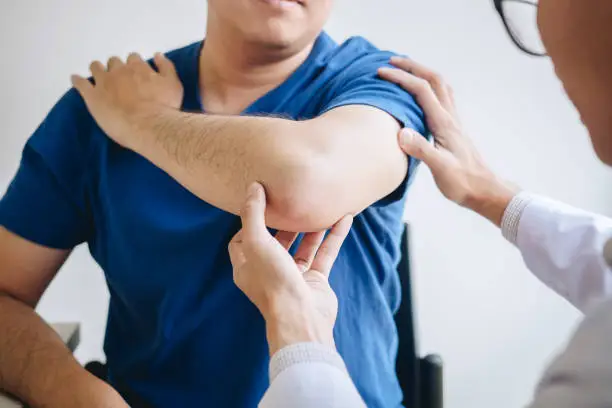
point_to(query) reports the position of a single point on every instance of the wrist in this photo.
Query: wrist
(492, 200)
(296, 322)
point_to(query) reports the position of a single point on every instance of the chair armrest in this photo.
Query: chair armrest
(432, 382)
(70, 334)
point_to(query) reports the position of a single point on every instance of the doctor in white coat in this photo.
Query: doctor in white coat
(568, 249)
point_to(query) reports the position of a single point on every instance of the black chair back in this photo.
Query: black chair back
(421, 378)
(408, 360)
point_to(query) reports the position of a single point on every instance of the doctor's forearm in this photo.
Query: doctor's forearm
(563, 246)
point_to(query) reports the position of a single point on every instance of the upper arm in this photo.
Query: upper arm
(45, 206)
(26, 268)
(47, 202)
(355, 156)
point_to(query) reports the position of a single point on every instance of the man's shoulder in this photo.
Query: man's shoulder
(67, 123)
(358, 53)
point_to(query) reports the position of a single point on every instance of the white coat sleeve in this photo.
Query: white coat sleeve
(568, 249)
(310, 376)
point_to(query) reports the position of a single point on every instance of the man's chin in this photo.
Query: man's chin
(603, 148)
(605, 155)
(280, 39)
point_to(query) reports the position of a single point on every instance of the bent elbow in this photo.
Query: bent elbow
(306, 198)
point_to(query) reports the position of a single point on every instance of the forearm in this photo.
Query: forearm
(218, 157)
(305, 369)
(37, 367)
(314, 171)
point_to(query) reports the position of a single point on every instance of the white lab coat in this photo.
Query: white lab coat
(569, 250)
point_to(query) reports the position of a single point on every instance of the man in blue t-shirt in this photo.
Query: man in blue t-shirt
(151, 171)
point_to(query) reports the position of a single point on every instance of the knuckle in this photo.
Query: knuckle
(437, 81)
(423, 86)
(249, 207)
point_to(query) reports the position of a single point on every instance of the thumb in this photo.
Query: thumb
(253, 212)
(165, 67)
(417, 146)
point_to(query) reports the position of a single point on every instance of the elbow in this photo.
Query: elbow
(306, 196)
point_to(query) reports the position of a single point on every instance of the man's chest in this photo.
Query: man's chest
(150, 233)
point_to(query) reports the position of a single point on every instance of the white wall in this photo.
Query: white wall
(494, 324)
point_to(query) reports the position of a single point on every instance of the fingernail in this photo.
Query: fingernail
(406, 136)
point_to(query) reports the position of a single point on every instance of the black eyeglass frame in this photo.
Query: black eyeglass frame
(500, 10)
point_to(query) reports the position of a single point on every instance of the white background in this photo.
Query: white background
(494, 324)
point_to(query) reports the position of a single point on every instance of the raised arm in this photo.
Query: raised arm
(315, 171)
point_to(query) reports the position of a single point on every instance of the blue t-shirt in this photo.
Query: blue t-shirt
(180, 333)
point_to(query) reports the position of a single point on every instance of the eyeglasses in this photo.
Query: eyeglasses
(520, 19)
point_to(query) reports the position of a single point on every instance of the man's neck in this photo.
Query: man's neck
(234, 73)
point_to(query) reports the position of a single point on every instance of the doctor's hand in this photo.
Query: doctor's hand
(292, 293)
(458, 169)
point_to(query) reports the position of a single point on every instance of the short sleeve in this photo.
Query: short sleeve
(46, 202)
(359, 84)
